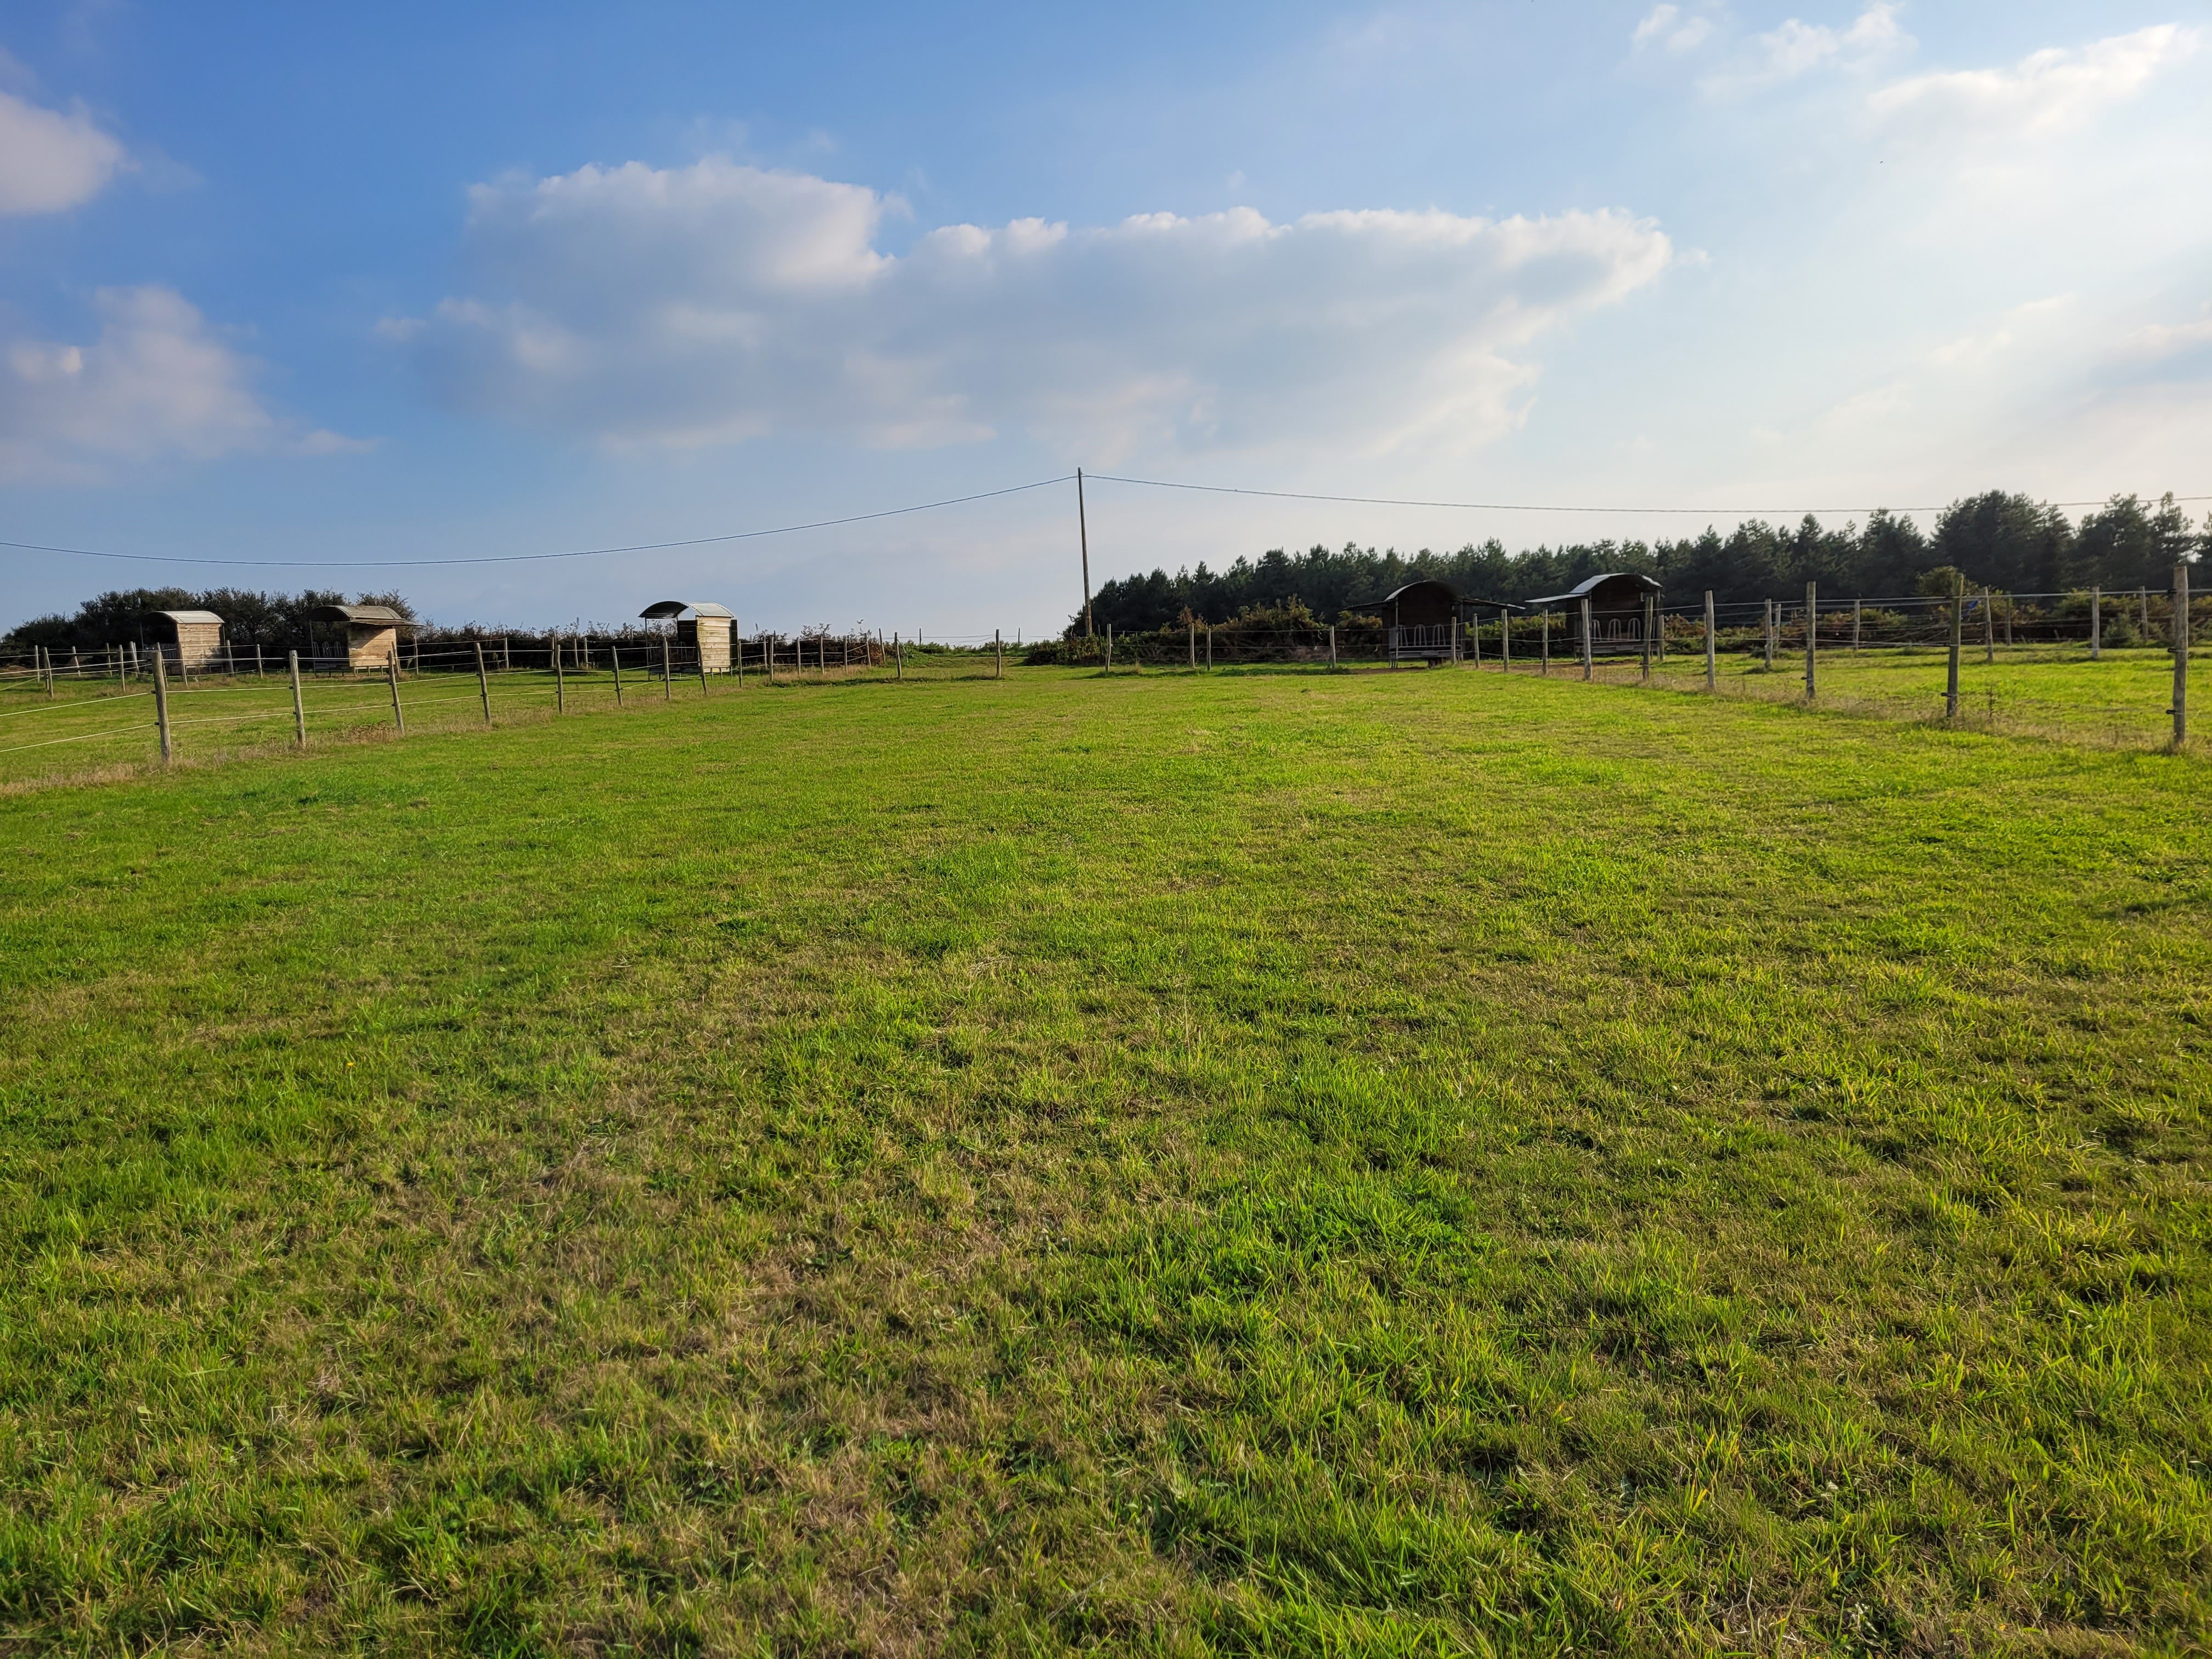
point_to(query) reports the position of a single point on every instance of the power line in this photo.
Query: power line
(959, 500)
(1528, 506)
(532, 558)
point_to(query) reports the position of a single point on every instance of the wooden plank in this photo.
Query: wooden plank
(399, 714)
(299, 704)
(1712, 671)
(2180, 655)
(1812, 636)
(1958, 627)
(161, 703)
(483, 682)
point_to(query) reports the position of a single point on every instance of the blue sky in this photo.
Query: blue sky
(284, 282)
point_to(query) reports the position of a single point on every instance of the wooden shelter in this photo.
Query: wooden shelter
(371, 633)
(189, 638)
(709, 630)
(1421, 620)
(1616, 604)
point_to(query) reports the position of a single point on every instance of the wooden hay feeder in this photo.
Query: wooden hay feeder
(372, 634)
(1616, 609)
(707, 630)
(191, 638)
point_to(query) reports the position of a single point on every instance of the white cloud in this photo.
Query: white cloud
(2055, 90)
(2158, 341)
(713, 303)
(157, 383)
(1798, 47)
(1666, 25)
(1974, 351)
(49, 160)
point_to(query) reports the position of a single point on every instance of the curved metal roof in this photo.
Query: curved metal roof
(193, 616)
(1650, 583)
(369, 616)
(661, 608)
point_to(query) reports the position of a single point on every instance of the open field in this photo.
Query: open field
(1264, 1164)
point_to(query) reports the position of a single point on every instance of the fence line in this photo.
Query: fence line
(1667, 648)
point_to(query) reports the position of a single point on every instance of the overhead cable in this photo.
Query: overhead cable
(532, 558)
(1529, 506)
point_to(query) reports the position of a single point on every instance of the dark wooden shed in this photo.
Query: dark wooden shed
(1614, 603)
(709, 630)
(1420, 621)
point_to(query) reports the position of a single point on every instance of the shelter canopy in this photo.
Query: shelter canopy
(1650, 584)
(361, 616)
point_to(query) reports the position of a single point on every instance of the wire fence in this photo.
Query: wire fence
(2082, 669)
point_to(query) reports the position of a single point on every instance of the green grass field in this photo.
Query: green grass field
(1271, 1163)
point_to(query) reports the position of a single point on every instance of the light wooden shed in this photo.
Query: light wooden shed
(193, 637)
(371, 632)
(707, 629)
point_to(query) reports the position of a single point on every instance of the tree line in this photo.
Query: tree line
(2009, 542)
(275, 621)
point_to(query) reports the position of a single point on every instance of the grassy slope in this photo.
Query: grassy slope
(1257, 1164)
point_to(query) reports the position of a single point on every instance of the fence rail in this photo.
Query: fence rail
(2111, 669)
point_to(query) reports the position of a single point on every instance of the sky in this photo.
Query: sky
(413, 283)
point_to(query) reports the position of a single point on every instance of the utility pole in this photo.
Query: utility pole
(1083, 530)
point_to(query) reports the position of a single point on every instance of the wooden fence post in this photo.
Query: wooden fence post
(1209, 647)
(1194, 644)
(1650, 615)
(1110, 647)
(483, 682)
(49, 656)
(2096, 624)
(1811, 634)
(1711, 669)
(614, 656)
(667, 673)
(702, 670)
(1544, 643)
(1588, 651)
(259, 672)
(2180, 655)
(1332, 648)
(506, 660)
(1858, 611)
(898, 656)
(2142, 598)
(2008, 607)
(299, 703)
(560, 682)
(1478, 645)
(1772, 610)
(1958, 627)
(161, 702)
(1989, 627)
(391, 669)
(999, 653)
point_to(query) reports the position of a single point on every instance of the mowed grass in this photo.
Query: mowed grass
(1264, 1165)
